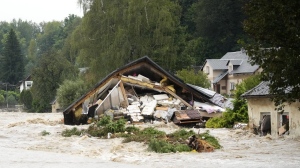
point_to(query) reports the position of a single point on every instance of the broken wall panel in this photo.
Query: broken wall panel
(113, 99)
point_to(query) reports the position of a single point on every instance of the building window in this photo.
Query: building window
(207, 69)
(232, 86)
(28, 84)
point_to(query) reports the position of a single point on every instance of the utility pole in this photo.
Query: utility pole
(6, 97)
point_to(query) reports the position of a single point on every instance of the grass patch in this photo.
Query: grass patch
(44, 133)
(162, 146)
(210, 139)
(158, 141)
(180, 135)
(161, 142)
(70, 132)
(105, 125)
(144, 135)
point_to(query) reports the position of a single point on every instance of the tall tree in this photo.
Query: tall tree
(216, 26)
(115, 32)
(12, 60)
(50, 37)
(47, 76)
(4, 29)
(274, 26)
(69, 49)
(192, 77)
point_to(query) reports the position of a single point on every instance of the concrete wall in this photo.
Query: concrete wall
(236, 79)
(257, 106)
(223, 83)
(55, 107)
(211, 75)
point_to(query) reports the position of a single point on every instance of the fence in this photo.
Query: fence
(11, 108)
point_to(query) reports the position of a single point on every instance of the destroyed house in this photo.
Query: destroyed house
(139, 91)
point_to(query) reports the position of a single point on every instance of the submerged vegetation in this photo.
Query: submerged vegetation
(70, 132)
(44, 133)
(158, 141)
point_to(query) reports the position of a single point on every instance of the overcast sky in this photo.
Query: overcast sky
(38, 10)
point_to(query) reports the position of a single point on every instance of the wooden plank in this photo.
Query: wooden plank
(124, 93)
(205, 114)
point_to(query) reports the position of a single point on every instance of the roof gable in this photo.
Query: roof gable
(261, 89)
(245, 67)
(238, 55)
(145, 67)
(235, 62)
(240, 61)
(217, 64)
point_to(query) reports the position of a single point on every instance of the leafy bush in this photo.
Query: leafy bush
(161, 142)
(70, 91)
(95, 131)
(210, 139)
(12, 100)
(105, 125)
(116, 126)
(181, 134)
(162, 146)
(12, 97)
(2, 99)
(104, 121)
(145, 135)
(132, 129)
(70, 132)
(16, 96)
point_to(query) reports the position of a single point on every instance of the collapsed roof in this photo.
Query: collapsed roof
(140, 76)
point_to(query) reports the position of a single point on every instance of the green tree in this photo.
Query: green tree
(216, 25)
(4, 29)
(114, 33)
(69, 50)
(274, 27)
(51, 37)
(51, 71)
(70, 91)
(25, 32)
(195, 78)
(12, 60)
(31, 57)
(85, 4)
(2, 99)
(26, 98)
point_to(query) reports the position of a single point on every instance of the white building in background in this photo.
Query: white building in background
(26, 83)
(225, 73)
